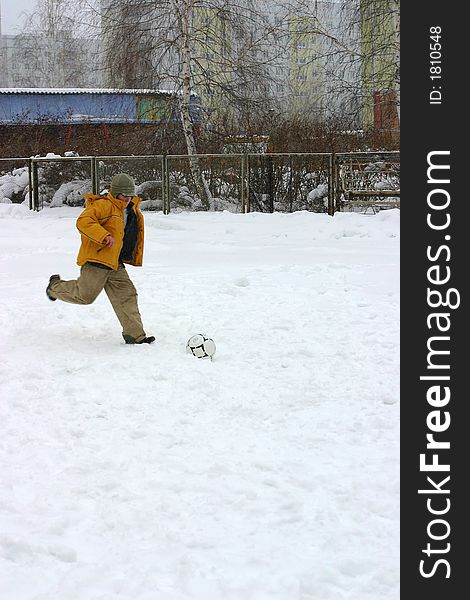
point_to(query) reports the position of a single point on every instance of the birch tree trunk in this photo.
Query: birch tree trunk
(201, 184)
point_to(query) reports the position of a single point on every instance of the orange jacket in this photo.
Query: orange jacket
(103, 216)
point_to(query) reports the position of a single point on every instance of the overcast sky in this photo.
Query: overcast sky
(11, 14)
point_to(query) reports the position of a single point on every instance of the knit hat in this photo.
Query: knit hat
(122, 184)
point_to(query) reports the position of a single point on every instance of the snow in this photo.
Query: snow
(321, 191)
(70, 192)
(142, 472)
(13, 183)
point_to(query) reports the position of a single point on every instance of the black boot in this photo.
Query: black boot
(52, 279)
(147, 340)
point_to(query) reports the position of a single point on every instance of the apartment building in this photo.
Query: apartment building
(380, 74)
(36, 61)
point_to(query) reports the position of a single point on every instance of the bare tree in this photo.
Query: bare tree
(213, 48)
(46, 44)
(52, 49)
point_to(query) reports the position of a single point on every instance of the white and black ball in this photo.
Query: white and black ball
(201, 346)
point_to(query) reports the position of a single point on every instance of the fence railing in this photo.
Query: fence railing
(287, 182)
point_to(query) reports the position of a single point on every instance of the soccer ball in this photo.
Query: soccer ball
(201, 346)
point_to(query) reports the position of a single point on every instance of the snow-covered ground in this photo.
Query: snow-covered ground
(143, 473)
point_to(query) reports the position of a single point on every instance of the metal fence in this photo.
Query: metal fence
(285, 182)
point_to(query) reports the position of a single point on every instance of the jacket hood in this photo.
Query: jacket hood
(91, 198)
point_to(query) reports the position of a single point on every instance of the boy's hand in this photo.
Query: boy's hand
(108, 241)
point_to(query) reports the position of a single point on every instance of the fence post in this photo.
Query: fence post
(247, 203)
(35, 188)
(165, 186)
(289, 188)
(93, 175)
(242, 183)
(30, 177)
(337, 207)
(270, 184)
(331, 185)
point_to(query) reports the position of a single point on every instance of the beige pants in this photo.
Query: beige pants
(118, 287)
